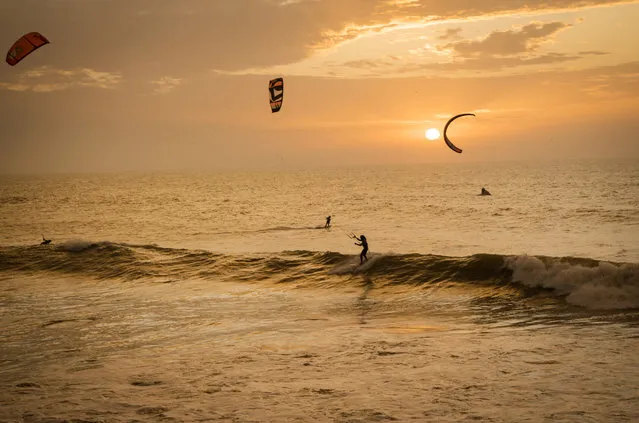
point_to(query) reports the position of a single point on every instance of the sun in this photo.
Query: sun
(432, 134)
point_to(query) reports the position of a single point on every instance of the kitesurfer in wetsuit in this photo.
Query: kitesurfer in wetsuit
(364, 244)
(328, 222)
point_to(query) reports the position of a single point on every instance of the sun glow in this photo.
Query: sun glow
(432, 134)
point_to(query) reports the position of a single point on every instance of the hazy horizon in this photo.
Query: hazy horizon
(321, 167)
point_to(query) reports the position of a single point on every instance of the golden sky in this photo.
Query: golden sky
(182, 84)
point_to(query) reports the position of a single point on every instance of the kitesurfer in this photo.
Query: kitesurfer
(484, 191)
(328, 222)
(45, 241)
(364, 244)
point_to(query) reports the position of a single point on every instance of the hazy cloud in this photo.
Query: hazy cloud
(47, 79)
(166, 84)
(474, 8)
(366, 64)
(152, 38)
(451, 34)
(490, 63)
(499, 50)
(593, 53)
(508, 43)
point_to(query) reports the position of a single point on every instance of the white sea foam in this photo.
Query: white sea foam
(604, 286)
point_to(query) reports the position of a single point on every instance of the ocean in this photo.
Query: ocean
(222, 296)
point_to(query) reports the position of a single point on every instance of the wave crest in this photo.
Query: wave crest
(583, 282)
(591, 284)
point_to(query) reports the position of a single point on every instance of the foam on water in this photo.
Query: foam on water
(601, 285)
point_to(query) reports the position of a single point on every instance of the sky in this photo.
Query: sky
(182, 85)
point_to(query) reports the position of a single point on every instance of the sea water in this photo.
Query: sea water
(222, 297)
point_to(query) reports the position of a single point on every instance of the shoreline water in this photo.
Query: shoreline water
(194, 350)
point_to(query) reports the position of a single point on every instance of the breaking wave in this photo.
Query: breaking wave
(583, 282)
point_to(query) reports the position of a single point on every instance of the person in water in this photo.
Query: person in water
(364, 244)
(45, 241)
(328, 222)
(484, 191)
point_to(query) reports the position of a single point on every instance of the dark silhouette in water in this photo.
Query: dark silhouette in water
(328, 222)
(484, 191)
(364, 244)
(45, 241)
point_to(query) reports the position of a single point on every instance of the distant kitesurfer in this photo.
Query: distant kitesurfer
(45, 241)
(328, 222)
(484, 191)
(364, 244)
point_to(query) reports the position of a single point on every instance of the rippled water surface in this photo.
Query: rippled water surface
(221, 297)
(584, 209)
